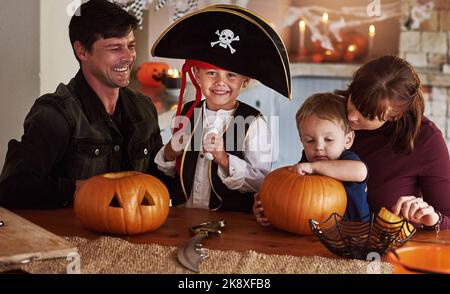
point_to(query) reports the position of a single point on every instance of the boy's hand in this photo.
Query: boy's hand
(258, 212)
(304, 168)
(176, 145)
(213, 143)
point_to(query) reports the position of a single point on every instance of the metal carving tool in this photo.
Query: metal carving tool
(192, 252)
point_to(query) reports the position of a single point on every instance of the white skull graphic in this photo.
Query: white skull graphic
(226, 37)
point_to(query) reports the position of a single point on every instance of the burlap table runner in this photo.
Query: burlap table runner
(109, 255)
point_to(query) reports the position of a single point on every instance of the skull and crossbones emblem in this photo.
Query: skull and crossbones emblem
(226, 37)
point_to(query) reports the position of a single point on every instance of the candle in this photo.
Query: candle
(350, 53)
(173, 73)
(172, 80)
(325, 24)
(301, 28)
(371, 37)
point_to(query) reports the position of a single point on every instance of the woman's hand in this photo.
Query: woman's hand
(415, 210)
(258, 212)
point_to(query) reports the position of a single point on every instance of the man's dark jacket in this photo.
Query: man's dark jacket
(69, 136)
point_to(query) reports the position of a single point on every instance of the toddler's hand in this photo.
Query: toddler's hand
(258, 212)
(303, 168)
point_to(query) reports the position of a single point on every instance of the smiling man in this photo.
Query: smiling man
(90, 126)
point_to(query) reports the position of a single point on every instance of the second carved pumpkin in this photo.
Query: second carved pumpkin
(151, 73)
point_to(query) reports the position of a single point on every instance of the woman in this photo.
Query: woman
(407, 157)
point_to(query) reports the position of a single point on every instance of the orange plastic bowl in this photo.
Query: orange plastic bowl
(421, 259)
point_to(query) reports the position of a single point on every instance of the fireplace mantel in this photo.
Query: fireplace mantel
(429, 77)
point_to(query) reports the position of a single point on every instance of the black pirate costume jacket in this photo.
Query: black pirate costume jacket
(69, 136)
(221, 198)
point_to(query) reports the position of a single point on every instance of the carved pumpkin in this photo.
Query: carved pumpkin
(122, 203)
(151, 73)
(291, 200)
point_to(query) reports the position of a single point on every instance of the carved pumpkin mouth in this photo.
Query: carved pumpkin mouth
(157, 77)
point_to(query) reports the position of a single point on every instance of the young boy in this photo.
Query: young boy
(222, 151)
(326, 136)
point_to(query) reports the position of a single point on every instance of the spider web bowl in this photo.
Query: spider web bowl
(358, 238)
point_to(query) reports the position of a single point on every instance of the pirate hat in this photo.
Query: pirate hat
(231, 38)
(273, 34)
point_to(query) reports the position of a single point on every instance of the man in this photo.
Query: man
(90, 126)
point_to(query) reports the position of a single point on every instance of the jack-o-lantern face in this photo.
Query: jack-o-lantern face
(151, 73)
(122, 203)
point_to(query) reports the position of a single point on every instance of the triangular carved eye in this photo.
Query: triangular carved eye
(147, 200)
(115, 201)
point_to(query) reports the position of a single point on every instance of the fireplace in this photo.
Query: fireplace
(346, 31)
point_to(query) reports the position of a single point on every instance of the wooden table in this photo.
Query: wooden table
(241, 233)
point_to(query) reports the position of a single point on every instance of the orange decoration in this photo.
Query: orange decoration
(317, 57)
(332, 56)
(388, 216)
(359, 42)
(421, 259)
(151, 73)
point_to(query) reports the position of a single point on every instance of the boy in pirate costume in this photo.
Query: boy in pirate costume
(218, 162)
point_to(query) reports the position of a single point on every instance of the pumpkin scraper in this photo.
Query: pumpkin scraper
(192, 252)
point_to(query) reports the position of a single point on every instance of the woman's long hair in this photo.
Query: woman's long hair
(390, 79)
